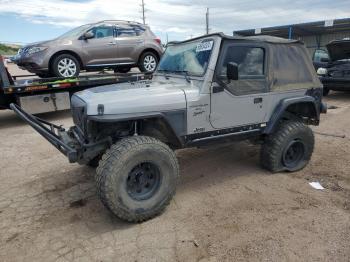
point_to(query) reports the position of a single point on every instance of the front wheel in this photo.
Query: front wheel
(148, 62)
(65, 65)
(137, 177)
(289, 148)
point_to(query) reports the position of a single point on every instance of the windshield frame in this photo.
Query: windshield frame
(189, 74)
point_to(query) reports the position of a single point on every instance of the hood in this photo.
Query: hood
(134, 98)
(40, 43)
(339, 49)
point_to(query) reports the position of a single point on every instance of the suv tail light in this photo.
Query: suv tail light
(158, 41)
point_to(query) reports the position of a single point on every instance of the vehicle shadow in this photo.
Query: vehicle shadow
(8, 119)
(222, 164)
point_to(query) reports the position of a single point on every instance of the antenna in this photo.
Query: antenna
(207, 20)
(143, 12)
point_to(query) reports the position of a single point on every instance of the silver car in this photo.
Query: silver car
(112, 44)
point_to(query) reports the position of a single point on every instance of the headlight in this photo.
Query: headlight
(322, 71)
(35, 49)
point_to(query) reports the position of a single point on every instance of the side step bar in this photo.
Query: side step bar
(48, 130)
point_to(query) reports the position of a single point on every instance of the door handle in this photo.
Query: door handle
(112, 43)
(258, 100)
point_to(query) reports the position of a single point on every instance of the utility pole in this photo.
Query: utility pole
(207, 20)
(143, 12)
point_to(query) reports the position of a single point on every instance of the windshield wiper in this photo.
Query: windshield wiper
(182, 71)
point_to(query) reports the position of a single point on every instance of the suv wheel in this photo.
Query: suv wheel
(65, 65)
(137, 177)
(289, 148)
(148, 62)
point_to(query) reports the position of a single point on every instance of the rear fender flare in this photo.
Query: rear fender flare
(282, 107)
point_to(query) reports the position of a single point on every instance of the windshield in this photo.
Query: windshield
(75, 32)
(191, 58)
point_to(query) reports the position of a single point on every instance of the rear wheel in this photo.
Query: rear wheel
(148, 62)
(289, 148)
(137, 177)
(65, 65)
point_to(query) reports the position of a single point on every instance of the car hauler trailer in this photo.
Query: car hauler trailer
(52, 94)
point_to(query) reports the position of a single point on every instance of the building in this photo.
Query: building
(315, 35)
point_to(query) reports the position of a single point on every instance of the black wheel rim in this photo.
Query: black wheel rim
(143, 181)
(293, 153)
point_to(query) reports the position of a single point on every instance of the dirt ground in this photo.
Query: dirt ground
(226, 208)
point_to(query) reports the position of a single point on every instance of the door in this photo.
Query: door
(102, 49)
(130, 44)
(240, 102)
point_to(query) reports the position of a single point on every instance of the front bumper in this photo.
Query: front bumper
(52, 133)
(71, 143)
(35, 63)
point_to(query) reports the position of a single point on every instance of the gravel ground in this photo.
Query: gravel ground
(226, 208)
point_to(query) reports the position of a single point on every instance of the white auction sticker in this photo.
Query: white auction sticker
(204, 46)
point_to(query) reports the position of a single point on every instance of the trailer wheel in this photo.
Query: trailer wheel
(137, 177)
(66, 65)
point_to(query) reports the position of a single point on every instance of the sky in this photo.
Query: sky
(26, 21)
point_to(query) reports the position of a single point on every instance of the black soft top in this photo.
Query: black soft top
(257, 38)
(290, 66)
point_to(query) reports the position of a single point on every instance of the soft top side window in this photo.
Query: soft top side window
(250, 60)
(251, 69)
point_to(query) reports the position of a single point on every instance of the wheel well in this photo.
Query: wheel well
(150, 50)
(301, 110)
(161, 130)
(155, 127)
(65, 52)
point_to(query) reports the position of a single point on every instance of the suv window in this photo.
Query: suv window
(251, 67)
(319, 54)
(126, 32)
(102, 31)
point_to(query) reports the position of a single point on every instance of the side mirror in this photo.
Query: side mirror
(232, 71)
(88, 35)
(324, 59)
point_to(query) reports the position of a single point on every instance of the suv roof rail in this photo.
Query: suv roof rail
(125, 21)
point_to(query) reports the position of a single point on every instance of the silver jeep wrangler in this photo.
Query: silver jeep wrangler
(207, 90)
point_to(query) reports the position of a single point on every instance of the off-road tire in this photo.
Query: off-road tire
(275, 146)
(142, 62)
(54, 66)
(114, 171)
